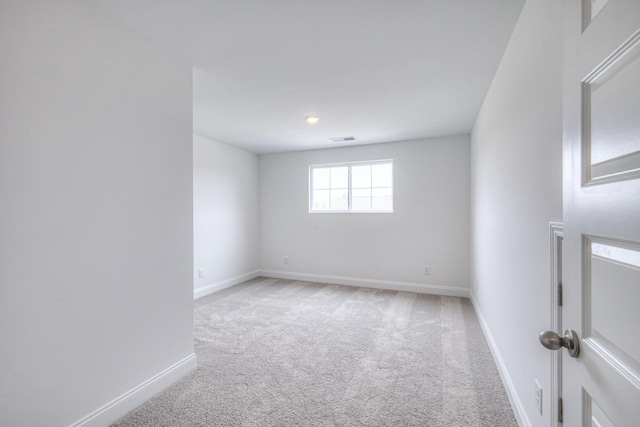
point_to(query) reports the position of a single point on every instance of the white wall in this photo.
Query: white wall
(96, 215)
(516, 177)
(225, 215)
(429, 225)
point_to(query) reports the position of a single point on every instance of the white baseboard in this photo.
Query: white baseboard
(369, 283)
(223, 284)
(120, 406)
(512, 394)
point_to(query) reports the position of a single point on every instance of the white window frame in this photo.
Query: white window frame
(350, 189)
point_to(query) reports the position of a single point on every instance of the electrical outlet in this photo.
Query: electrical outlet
(427, 271)
(538, 396)
(201, 273)
(286, 260)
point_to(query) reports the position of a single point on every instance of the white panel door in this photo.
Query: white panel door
(601, 248)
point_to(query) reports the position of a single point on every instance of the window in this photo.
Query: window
(351, 187)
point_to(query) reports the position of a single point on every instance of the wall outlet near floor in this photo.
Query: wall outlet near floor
(286, 260)
(427, 271)
(538, 396)
(201, 273)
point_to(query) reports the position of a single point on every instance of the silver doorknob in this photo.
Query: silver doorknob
(553, 341)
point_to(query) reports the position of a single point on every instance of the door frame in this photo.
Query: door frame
(555, 236)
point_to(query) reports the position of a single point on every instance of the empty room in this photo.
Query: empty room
(335, 213)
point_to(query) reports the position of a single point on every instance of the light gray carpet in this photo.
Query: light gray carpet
(284, 353)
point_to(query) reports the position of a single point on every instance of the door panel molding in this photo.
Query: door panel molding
(623, 165)
(611, 288)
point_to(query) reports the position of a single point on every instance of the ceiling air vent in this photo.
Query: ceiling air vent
(343, 138)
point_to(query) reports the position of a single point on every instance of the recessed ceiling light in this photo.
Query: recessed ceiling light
(312, 119)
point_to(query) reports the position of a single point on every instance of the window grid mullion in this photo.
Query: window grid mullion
(330, 191)
(370, 187)
(349, 192)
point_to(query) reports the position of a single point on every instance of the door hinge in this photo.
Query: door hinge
(560, 294)
(560, 410)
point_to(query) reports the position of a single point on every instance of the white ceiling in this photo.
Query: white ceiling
(379, 70)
